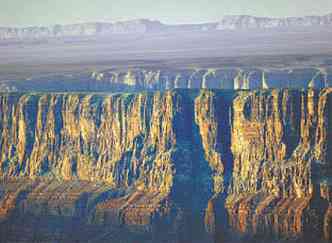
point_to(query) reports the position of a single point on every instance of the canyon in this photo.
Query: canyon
(139, 131)
(180, 165)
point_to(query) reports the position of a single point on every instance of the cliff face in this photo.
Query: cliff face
(169, 78)
(278, 177)
(113, 139)
(145, 26)
(250, 22)
(197, 164)
(138, 26)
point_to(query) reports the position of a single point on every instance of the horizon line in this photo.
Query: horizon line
(159, 21)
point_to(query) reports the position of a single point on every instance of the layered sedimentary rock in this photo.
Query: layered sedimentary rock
(218, 78)
(277, 179)
(81, 30)
(145, 26)
(138, 79)
(250, 22)
(177, 166)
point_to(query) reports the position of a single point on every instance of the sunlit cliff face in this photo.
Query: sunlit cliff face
(174, 166)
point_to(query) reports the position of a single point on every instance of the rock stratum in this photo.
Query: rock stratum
(146, 26)
(154, 79)
(173, 166)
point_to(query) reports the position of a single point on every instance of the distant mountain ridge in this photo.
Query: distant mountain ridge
(251, 22)
(231, 22)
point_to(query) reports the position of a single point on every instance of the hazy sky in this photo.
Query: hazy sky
(47, 12)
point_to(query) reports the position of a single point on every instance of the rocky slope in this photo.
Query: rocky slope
(174, 166)
(138, 79)
(143, 26)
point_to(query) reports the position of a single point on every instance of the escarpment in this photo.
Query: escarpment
(88, 137)
(146, 26)
(177, 166)
(275, 186)
(154, 79)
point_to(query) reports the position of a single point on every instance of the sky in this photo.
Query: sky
(48, 12)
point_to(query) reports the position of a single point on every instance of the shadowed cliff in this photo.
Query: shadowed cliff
(174, 166)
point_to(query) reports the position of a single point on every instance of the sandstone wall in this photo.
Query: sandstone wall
(257, 163)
